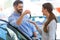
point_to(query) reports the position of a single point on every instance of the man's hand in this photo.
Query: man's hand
(26, 12)
(19, 21)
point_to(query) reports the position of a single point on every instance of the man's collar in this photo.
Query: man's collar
(15, 13)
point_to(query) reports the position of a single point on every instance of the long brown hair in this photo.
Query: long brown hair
(49, 8)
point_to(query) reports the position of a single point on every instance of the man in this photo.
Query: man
(21, 20)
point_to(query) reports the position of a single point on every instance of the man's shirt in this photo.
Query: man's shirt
(25, 26)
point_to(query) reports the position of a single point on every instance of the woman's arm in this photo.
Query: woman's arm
(39, 30)
(52, 30)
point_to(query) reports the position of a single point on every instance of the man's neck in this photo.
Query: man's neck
(16, 11)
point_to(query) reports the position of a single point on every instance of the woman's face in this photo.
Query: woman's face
(44, 11)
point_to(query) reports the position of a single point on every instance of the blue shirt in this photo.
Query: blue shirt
(25, 26)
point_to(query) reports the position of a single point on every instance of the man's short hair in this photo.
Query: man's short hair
(17, 2)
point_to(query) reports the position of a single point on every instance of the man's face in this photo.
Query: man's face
(19, 8)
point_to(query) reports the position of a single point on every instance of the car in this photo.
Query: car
(9, 32)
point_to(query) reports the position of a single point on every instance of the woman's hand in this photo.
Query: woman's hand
(34, 24)
(39, 30)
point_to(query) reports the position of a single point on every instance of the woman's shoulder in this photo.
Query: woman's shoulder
(53, 22)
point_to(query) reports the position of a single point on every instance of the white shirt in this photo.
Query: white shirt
(51, 31)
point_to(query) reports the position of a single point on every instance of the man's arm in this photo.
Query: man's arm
(19, 21)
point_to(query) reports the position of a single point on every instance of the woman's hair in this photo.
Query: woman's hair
(49, 8)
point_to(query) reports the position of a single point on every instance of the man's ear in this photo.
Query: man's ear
(15, 7)
(45, 10)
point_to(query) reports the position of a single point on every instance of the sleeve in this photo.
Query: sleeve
(12, 21)
(26, 17)
(52, 30)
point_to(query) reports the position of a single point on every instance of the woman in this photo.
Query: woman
(49, 28)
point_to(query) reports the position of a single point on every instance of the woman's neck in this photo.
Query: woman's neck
(47, 15)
